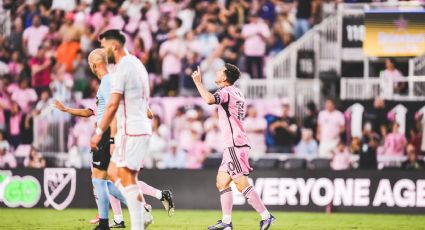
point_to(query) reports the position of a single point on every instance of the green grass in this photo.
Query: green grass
(199, 219)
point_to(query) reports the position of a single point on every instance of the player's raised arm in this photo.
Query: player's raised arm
(75, 112)
(205, 94)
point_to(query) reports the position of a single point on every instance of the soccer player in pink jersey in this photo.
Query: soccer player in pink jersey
(234, 166)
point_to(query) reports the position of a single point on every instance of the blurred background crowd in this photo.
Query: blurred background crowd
(44, 57)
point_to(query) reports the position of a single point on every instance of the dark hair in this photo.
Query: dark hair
(113, 35)
(331, 100)
(232, 73)
(179, 22)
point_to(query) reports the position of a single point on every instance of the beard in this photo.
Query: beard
(111, 58)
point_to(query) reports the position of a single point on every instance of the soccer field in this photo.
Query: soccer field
(200, 219)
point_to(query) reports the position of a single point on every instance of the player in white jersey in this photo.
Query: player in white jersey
(129, 101)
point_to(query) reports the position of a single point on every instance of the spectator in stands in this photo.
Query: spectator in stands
(356, 146)
(416, 139)
(378, 117)
(197, 152)
(157, 143)
(15, 65)
(209, 68)
(62, 83)
(16, 36)
(7, 159)
(24, 96)
(369, 146)
(207, 37)
(341, 157)
(395, 142)
(174, 159)
(4, 104)
(190, 63)
(284, 131)
(67, 52)
(34, 160)
(4, 144)
(256, 33)
(212, 133)
(34, 35)
(306, 12)
(171, 53)
(283, 32)
(178, 123)
(191, 131)
(80, 136)
(231, 43)
(68, 31)
(310, 119)
(412, 162)
(391, 73)
(15, 125)
(307, 145)
(255, 127)
(74, 158)
(40, 70)
(330, 127)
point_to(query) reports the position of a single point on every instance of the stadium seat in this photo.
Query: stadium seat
(211, 163)
(265, 163)
(292, 164)
(319, 164)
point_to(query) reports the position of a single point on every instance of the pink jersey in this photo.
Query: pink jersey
(231, 113)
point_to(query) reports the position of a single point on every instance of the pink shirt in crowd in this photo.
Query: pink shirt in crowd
(341, 160)
(255, 45)
(196, 155)
(15, 124)
(172, 51)
(7, 160)
(394, 144)
(83, 131)
(24, 98)
(4, 103)
(256, 139)
(330, 125)
(34, 37)
(231, 113)
(42, 78)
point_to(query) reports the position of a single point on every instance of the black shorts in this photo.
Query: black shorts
(102, 155)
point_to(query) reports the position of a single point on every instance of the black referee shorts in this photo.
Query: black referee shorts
(102, 155)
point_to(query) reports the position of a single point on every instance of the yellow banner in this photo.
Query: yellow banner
(394, 34)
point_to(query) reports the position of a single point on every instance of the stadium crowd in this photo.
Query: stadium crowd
(44, 57)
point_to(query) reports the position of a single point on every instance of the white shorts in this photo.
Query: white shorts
(129, 151)
(326, 148)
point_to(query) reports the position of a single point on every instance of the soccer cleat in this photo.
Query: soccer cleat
(95, 220)
(103, 225)
(98, 227)
(167, 201)
(114, 224)
(221, 226)
(265, 224)
(148, 216)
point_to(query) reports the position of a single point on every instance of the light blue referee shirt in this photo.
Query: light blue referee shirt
(102, 97)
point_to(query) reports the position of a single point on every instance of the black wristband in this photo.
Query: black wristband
(111, 140)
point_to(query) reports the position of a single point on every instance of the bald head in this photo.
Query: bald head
(97, 56)
(98, 61)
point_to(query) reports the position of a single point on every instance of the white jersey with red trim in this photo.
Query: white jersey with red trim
(130, 79)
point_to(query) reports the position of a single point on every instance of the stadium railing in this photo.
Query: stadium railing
(370, 88)
(417, 66)
(5, 22)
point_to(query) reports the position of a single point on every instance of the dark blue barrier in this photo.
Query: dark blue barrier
(346, 191)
